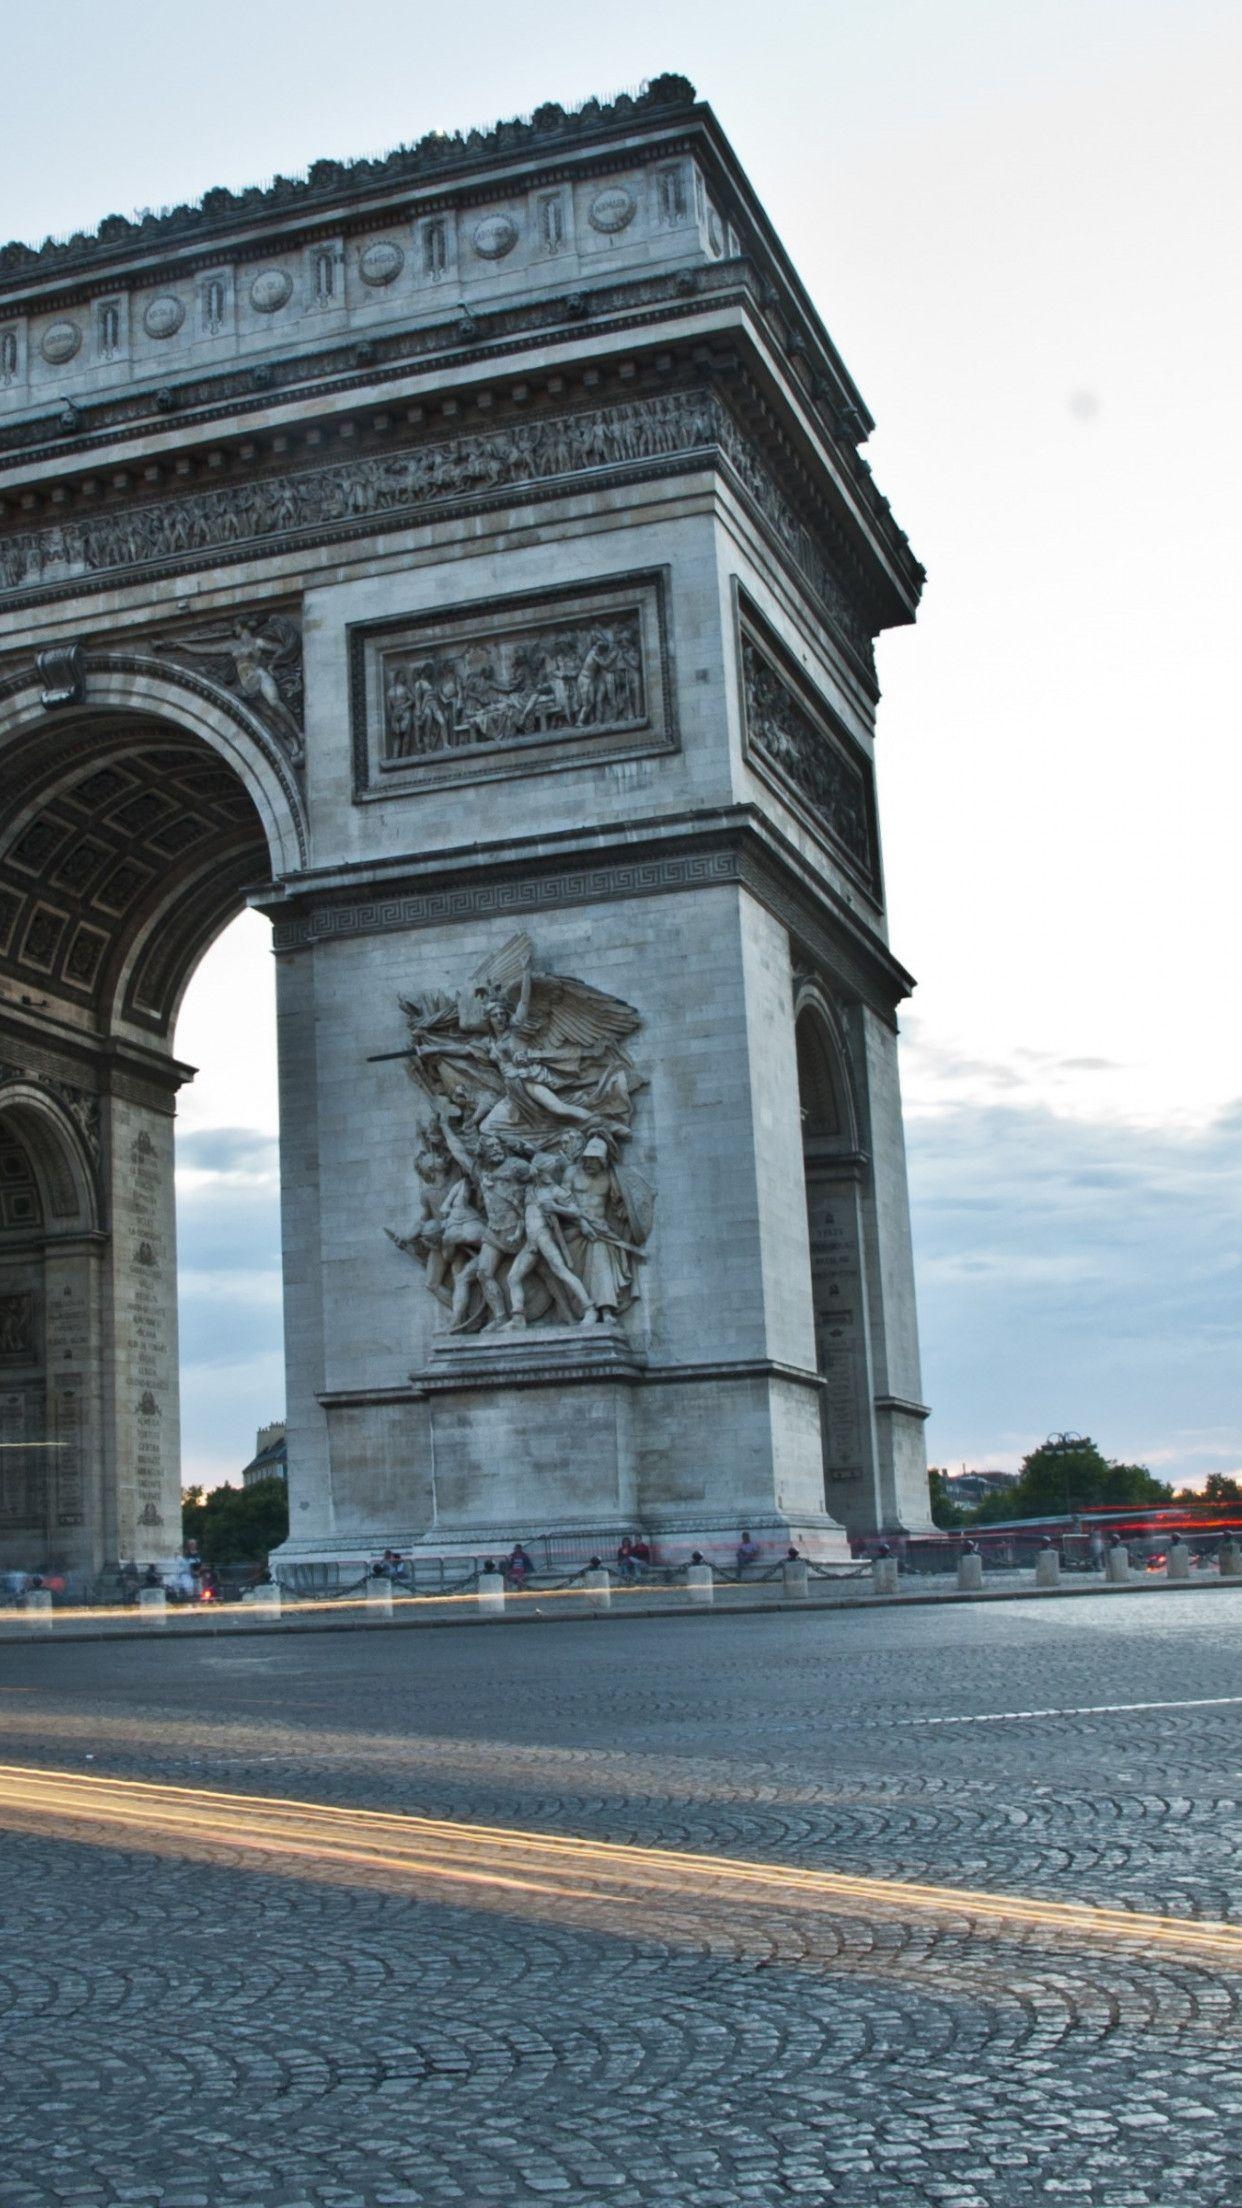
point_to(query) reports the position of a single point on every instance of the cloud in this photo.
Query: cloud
(229, 1297)
(1078, 1273)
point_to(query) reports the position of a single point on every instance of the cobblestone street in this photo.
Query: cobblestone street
(204, 2026)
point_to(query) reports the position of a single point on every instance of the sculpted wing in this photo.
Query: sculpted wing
(508, 967)
(565, 1012)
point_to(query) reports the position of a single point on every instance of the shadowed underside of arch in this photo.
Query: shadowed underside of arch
(126, 844)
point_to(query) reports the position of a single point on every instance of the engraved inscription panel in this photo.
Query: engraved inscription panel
(512, 687)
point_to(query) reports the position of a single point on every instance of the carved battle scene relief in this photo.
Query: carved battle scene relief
(499, 689)
(530, 1213)
(198, 527)
(490, 690)
(795, 743)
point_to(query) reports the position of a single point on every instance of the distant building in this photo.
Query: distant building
(969, 1488)
(271, 1457)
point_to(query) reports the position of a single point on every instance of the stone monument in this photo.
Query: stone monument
(468, 559)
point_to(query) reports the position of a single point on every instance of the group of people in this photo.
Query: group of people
(633, 1556)
(591, 677)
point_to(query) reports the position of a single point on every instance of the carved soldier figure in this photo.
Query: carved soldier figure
(546, 1200)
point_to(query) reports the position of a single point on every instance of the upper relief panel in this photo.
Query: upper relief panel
(421, 265)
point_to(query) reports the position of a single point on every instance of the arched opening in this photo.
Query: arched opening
(129, 839)
(833, 1170)
(49, 1298)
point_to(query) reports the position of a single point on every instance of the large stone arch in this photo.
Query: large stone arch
(141, 805)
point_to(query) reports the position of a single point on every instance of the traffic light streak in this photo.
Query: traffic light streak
(469, 1862)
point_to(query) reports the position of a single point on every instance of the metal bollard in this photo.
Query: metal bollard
(379, 1598)
(1230, 1560)
(884, 1576)
(1048, 1567)
(970, 1572)
(700, 1583)
(153, 1605)
(796, 1579)
(1179, 1559)
(491, 1594)
(598, 1587)
(37, 1606)
(1119, 1565)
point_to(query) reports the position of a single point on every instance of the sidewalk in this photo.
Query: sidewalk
(429, 1612)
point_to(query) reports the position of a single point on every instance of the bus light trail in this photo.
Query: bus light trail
(464, 1863)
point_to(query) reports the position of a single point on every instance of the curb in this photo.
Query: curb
(228, 1628)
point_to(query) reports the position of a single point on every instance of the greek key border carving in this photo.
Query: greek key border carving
(485, 900)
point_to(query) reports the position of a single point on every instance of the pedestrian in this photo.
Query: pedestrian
(747, 1552)
(640, 1553)
(518, 1566)
(625, 1559)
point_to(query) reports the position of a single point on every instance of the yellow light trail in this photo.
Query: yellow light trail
(508, 1865)
(184, 1614)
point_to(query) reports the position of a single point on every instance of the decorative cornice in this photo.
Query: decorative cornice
(738, 847)
(441, 157)
(624, 442)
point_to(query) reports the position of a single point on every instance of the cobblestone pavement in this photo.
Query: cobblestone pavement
(220, 2032)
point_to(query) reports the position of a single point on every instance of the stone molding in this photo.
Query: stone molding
(538, 624)
(547, 1369)
(440, 156)
(739, 848)
(627, 441)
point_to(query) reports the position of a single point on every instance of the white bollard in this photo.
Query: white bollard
(598, 1587)
(1119, 1566)
(700, 1583)
(379, 1598)
(969, 1572)
(1179, 1561)
(1048, 1568)
(37, 1606)
(264, 1602)
(1230, 1560)
(797, 1579)
(884, 1576)
(153, 1605)
(491, 1594)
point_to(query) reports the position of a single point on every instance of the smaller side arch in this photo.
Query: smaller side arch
(64, 1171)
(830, 1115)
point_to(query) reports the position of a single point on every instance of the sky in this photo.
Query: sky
(1017, 221)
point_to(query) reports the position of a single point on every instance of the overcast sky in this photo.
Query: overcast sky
(1017, 218)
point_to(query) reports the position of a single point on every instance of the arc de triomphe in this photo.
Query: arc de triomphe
(467, 558)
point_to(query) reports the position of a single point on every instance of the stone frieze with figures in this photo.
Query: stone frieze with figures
(794, 741)
(511, 686)
(530, 1212)
(325, 503)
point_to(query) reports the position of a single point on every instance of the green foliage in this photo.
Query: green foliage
(236, 1525)
(945, 1512)
(1219, 1487)
(1069, 1473)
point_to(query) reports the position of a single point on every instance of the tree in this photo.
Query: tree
(1219, 1487)
(236, 1525)
(1068, 1473)
(945, 1512)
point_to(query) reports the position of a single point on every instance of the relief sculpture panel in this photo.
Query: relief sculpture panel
(529, 1212)
(512, 687)
(793, 741)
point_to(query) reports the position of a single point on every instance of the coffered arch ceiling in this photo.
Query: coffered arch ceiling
(126, 844)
